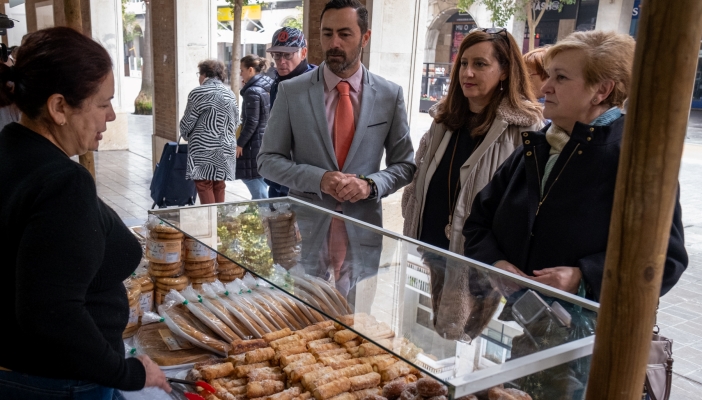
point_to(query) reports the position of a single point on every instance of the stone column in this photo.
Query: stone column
(614, 15)
(106, 24)
(185, 34)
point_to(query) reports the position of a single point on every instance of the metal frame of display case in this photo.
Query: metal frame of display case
(459, 384)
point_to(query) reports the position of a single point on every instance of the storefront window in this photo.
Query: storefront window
(435, 84)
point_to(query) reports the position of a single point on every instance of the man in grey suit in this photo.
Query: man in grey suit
(300, 124)
(325, 140)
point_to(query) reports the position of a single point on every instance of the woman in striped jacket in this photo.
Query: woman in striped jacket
(209, 126)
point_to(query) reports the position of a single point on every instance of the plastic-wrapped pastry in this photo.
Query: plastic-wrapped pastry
(194, 304)
(181, 322)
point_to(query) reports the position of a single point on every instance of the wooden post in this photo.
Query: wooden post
(74, 19)
(667, 49)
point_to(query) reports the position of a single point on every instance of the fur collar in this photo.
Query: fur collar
(505, 111)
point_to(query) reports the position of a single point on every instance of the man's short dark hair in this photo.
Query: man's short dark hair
(361, 11)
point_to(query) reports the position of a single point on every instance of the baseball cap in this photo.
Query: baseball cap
(287, 40)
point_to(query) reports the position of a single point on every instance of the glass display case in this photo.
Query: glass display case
(465, 323)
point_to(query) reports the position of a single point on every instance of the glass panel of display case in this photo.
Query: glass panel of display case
(458, 320)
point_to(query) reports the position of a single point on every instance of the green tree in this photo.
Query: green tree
(297, 21)
(530, 10)
(237, 6)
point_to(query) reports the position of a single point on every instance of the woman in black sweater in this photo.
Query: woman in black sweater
(65, 253)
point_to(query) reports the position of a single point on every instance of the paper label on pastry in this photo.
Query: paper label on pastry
(133, 316)
(173, 342)
(195, 251)
(146, 302)
(163, 251)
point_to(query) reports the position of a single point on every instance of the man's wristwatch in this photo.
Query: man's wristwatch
(374, 189)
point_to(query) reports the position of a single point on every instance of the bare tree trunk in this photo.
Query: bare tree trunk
(143, 104)
(236, 48)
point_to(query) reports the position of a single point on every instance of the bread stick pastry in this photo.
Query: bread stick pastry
(308, 379)
(344, 396)
(304, 396)
(372, 359)
(367, 393)
(243, 346)
(366, 381)
(331, 389)
(383, 364)
(314, 335)
(324, 347)
(228, 382)
(299, 363)
(242, 371)
(345, 363)
(210, 372)
(344, 336)
(287, 360)
(264, 375)
(332, 359)
(370, 349)
(236, 360)
(269, 337)
(291, 344)
(259, 355)
(395, 370)
(289, 351)
(311, 344)
(354, 370)
(352, 343)
(263, 388)
(298, 372)
(288, 394)
(329, 353)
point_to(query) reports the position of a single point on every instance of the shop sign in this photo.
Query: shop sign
(545, 5)
(459, 32)
(461, 17)
(637, 9)
(247, 12)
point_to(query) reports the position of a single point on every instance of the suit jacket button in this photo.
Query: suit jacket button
(528, 153)
(527, 141)
(525, 134)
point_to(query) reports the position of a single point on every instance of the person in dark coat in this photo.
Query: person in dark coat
(545, 215)
(254, 118)
(289, 50)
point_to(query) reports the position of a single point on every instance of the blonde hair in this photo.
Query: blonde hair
(608, 56)
(535, 59)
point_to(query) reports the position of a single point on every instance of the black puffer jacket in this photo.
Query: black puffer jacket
(254, 118)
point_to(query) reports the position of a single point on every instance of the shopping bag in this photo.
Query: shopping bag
(169, 186)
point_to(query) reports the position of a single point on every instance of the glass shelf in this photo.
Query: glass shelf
(468, 324)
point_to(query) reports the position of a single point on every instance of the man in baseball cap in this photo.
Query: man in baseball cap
(289, 51)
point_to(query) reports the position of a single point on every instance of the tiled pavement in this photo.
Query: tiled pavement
(123, 179)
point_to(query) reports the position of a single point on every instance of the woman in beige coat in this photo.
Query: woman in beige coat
(476, 127)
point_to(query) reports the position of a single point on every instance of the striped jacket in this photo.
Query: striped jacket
(209, 125)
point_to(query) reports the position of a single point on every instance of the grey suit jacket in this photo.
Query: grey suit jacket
(297, 146)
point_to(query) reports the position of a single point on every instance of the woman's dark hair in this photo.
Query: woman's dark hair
(255, 62)
(361, 11)
(212, 69)
(454, 111)
(50, 61)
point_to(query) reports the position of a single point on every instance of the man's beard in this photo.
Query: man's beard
(340, 66)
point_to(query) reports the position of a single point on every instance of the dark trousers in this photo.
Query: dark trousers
(18, 386)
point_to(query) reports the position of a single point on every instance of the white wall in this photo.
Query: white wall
(196, 40)
(14, 35)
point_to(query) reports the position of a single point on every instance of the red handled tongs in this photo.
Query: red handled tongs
(192, 396)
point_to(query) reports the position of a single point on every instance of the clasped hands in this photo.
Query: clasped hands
(344, 187)
(563, 278)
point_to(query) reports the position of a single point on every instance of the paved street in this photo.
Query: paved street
(123, 179)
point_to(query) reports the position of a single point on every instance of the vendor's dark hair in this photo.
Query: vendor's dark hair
(212, 69)
(361, 11)
(50, 61)
(255, 62)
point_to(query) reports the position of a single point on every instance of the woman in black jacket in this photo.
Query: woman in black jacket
(66, 252)
(254, 118)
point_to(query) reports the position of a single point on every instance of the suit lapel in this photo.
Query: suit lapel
(316, 94)
(364, 118)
